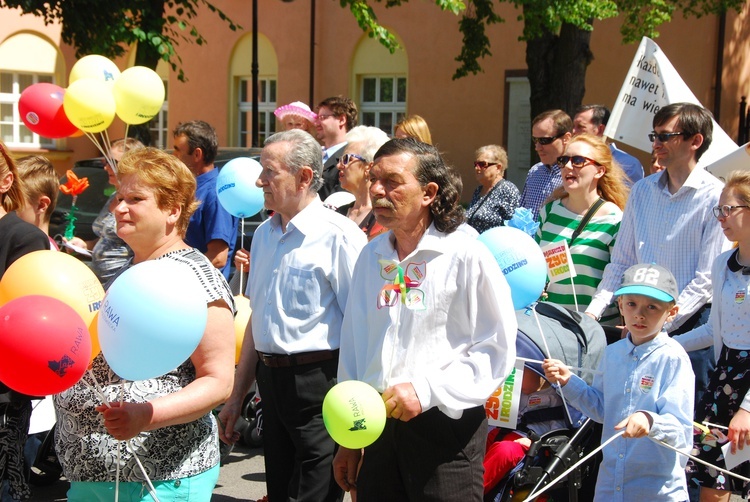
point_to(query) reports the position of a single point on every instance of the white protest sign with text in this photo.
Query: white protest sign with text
(650, 84)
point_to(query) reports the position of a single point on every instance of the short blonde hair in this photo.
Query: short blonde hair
(171, 181)
(496, 153)
(39, 178)
(739, 183)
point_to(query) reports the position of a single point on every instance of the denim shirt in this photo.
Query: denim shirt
(656, 378)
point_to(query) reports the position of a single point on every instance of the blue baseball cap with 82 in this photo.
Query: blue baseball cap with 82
(649, 280)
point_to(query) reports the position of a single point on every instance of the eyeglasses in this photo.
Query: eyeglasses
(546, 140)
(481, 164)
(663, 137)
(350, 157)
(577, 161)
(323, 116)
(725, 211)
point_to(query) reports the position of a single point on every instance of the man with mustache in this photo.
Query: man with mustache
(430, 325)
(300, 271)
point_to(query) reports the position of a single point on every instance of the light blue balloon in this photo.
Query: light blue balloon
(152, 319)
(521, 260)
(235, 187)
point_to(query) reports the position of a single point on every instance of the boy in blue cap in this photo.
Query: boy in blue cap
(645, 388)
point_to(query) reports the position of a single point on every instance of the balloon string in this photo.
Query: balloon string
(696, 459)
(108, 148)
(561, 476)
(548, 354)
(577, 368)
(96, 143)
(149, 484)
(242, 246)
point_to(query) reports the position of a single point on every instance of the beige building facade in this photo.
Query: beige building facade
(463, 114)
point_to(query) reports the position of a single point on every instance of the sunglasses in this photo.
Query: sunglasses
(663, 137)
(546, 140)
(481, 164)
(577, 161)
(725, 211)
(350, 157)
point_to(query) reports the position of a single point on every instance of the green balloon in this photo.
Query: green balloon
(354, 414)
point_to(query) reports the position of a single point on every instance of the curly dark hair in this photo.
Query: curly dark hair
(446, 210)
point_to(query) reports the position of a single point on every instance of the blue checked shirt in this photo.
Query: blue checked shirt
(656, 378)
(540, 183)
(678, 232)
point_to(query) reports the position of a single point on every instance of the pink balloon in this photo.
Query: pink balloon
(41, 109)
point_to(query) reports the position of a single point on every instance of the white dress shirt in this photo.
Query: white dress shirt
(677, 231)
(452, 334)
(299, 279)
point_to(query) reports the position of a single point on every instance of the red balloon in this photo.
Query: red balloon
(45, 346)
(41, 109)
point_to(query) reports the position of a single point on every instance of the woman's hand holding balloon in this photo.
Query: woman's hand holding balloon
(125, 421)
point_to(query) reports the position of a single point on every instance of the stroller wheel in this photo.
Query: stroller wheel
(250, 436)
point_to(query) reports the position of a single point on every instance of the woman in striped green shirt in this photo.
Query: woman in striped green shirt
(588, 173)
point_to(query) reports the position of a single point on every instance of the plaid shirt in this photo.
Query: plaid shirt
(540, 183)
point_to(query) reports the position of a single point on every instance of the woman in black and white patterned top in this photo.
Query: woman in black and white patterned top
(495, 198)
(168, 418)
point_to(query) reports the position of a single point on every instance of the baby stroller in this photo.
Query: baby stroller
(578, 341)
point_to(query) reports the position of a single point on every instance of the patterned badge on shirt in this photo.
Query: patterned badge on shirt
(403, 286)
(739, 296)
(647, 381)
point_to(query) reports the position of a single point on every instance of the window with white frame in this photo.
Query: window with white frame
(266, 106)
(160, 136)
(383, 101)
(12, 129)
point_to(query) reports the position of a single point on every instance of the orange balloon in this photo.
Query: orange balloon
(57, 275)
(94, 334)
(240, 323)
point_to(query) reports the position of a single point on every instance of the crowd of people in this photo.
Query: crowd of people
(368, 269)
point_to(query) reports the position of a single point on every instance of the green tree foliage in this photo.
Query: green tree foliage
(109, 27)
(556, 32)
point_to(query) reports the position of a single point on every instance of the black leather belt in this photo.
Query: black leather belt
(289, 360)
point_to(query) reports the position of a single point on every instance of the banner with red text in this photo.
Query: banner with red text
(503, 405)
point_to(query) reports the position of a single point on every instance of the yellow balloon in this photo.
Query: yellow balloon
(55, 274)
(96, 67)
(89, 105)
(139, 94)
(240, 323)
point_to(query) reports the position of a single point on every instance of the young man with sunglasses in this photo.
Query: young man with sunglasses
(550, 133)
(336, 116)
(668, 221)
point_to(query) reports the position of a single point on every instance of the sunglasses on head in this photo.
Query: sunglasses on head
(663, 137)
(577, 161)
(546, 140)
(350, 157)
(482, 164)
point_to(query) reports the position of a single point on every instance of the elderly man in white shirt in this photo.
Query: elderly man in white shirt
(668, 221)
(429, 324)
(301, 265)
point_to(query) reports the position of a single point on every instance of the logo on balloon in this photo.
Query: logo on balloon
(110, 316)
(32, 118)
(60, 368)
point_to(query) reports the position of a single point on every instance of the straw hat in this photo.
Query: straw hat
(296, 108)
